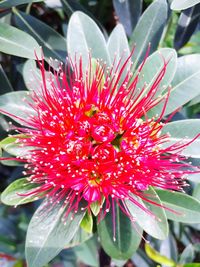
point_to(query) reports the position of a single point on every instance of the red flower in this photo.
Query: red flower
(92, 140)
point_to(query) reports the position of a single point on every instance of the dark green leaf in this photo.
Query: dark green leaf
(16, 42)
(183, 208)
(123, 243)
(187, 24)
(48, 234)
(11, 195)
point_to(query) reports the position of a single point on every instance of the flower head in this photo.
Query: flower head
(90, 138)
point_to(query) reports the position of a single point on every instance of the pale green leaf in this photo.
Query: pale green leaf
(84, 37)
(155, 222)
(149, 29)
(182, 208)
(15, 105)
(183, 4)
(12, 194)
(48, 234)
(184, 131)
(18, 43)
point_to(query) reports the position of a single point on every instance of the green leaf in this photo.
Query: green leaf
(53, 44)
(122, 244)
(80, 237)
(9, 145)
(157, 257)
(31, 75)
(183, 208)
(95, 207)
(87, 223)
(185, 85)
(47, 234)
(16, 42)
(11, 195)
(11, 3)
(191, 265)
(187, 255)
(15, 105)
(168, 247)
(196, 191)
(88, 252)
(155, 224)
(4, 82)
(149, 30)
(183, 4)
(185, 131)
(90, 39)
(118, 46)
(154, 64)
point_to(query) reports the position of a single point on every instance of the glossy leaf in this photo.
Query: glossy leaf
(123, 243)
(14, 103)
(53, 44)
(149, 30)
(157, 257)
(5, 85)
(183, 208)
(184, 131)
(183, 4)
(155, 224)
(16, 42)
(187, 24)
(128, 12)
(11, 195)
(47, 234)
(11, 3)
(83, 28)
(185, 85)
